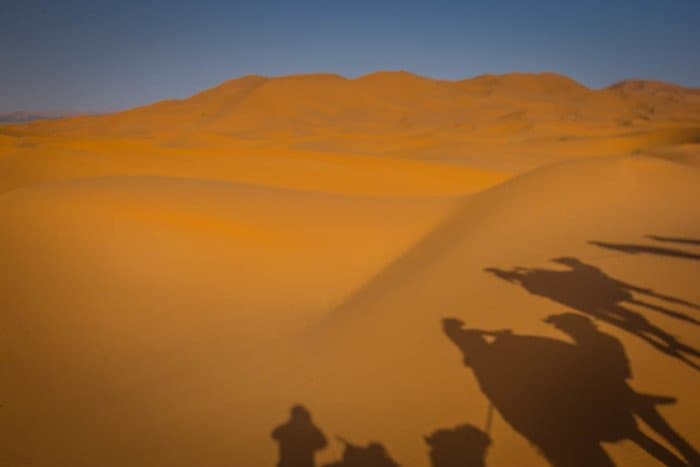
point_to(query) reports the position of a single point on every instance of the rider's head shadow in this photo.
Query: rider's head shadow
(462, 446)
(299, 439)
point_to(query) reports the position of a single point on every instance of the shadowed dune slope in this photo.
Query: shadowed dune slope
(135, 309)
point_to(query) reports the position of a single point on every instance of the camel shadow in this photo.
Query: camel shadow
(567, 399)
(586, 288)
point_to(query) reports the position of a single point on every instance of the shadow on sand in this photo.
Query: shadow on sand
(646, 249)
(299, 440)
(372, 455)
(588, 289)
(461, 446)
(567, 399)
(683, 241)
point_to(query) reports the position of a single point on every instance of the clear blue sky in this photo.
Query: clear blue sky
(103, 55)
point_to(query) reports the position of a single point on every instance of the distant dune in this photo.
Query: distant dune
(23, 117)
(507, 123)
(180, 274)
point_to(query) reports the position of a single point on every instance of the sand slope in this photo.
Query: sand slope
(116, 283)
(396, 315)
(159, 321)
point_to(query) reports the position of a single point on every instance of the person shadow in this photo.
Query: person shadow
(299, 439)
(567, 399)
(586, 288)
(461, 446)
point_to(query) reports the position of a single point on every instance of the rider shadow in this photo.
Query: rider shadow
(567, 399)
(588, 289)
(299, 440)
(462, 446)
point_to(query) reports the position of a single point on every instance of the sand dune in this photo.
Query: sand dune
(211, 307)
(509, 123)
(274, 168)
(178, 275)
(518, 223)
(111, 276)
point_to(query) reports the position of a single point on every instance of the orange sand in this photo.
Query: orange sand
(178, 275)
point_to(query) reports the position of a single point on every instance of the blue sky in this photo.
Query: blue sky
(78, 55)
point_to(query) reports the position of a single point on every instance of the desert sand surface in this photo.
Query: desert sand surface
(384, 250)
